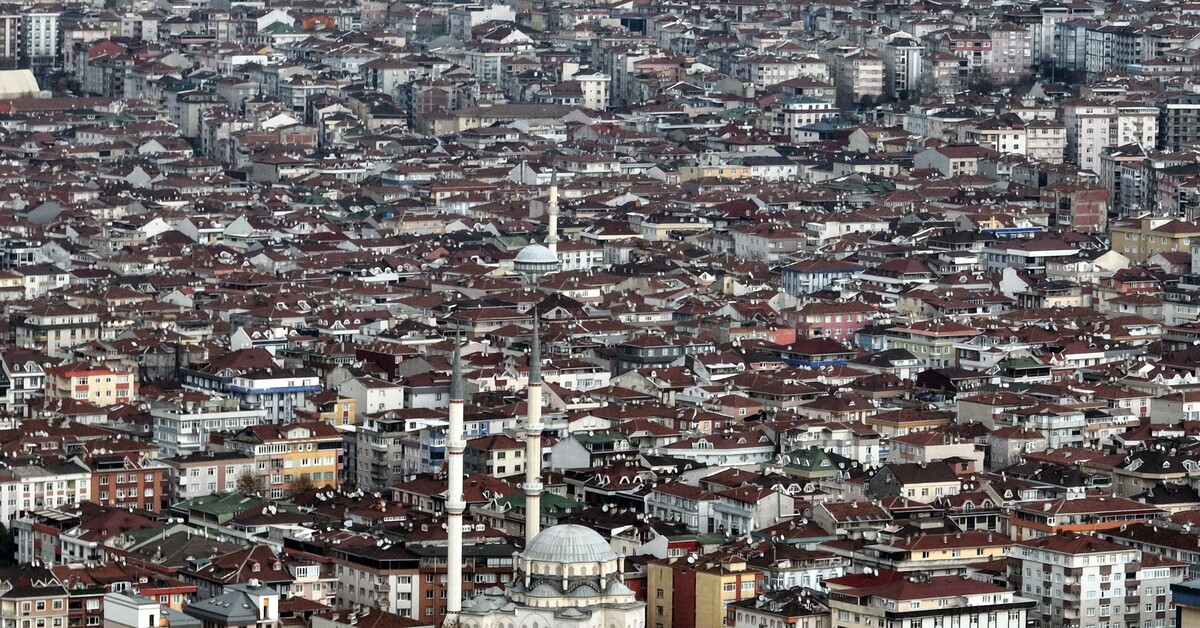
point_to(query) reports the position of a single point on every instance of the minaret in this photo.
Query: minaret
(533, 436)
(455, 503)
(552, 213)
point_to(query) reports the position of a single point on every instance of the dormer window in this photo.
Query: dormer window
(256, 568)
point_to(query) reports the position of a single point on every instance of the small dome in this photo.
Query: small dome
(545, 589)
(536, 254)
(584, 590)
(569, 543)
(616, 587)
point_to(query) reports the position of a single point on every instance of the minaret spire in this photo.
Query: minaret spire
(552, 213)
(533, 437)
(455, 502)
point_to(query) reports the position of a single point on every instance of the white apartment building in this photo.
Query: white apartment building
(40, 33)
(1085, 582)
(182, 427)
(596, 88)
(372, 395)
(1136, 124)
(1089, 125)
(49, 487)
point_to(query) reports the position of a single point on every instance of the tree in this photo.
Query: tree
(8, 547)
(251, 484)
(299, 484)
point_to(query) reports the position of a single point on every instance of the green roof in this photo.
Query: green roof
(1022, 363)
(809, 462)
(141, 536)
(226, 506)
(279, 28)
(599, 437)
(552, 504)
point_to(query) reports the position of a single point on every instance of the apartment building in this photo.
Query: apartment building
(1085, 514)
(498, 455)
(1079, 580)
(283, 454)
(388, 446)
(1089, 126)
(205, 473)
(888, 599)
(33, 599)
(182, 426)
(684, 593)
(278, 392)
(385, 577)
(48, 486)
(125, 480)
(96, 384)
(53, 328)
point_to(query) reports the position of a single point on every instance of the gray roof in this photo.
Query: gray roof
(569, 543)
(236, 607)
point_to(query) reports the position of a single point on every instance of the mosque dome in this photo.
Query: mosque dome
(569, 543)
(536, 254)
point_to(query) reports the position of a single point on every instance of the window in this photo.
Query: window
(729, 587)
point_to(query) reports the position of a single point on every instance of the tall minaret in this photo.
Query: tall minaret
(552, 213)
(455, 502)
(533, 436)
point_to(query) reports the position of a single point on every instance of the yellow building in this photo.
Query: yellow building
(720, 171)
(681, 593)
(330, 407)
(286, 455)
(12, 286)
(1186, 596)
(1143, 238)
(98, 385)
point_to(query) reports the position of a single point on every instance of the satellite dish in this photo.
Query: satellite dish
(347, 523)
(604, 508)
(691, 559)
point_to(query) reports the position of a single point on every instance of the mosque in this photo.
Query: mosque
(535, 261)
(568, 575)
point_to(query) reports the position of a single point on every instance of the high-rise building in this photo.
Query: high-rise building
(40, 37)
(1080, 580)
(1179, 122)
